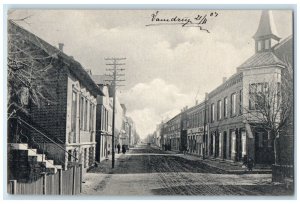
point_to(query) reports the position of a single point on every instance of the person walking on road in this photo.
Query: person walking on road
(123, 149)
(119, 147)
(250, 164)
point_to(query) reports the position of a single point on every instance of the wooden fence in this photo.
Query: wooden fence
(67, 182)
(280, 173)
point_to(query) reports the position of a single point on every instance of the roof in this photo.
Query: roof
(100, 79)
(234, 79)
(283, 42)
(199, 105)
(262, 59)
(74, 67)
(285, 50)
(266, 26)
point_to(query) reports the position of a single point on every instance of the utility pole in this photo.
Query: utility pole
(114, 82)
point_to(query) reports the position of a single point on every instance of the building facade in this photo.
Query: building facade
(194, 126)
(173, 133)
(103, 119)
(64, 126)
(228, 124)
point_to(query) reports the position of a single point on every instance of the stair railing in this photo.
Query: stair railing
(31, 127)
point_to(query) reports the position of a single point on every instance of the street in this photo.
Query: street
(146, 170)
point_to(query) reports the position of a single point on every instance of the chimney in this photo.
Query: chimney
(196, 102)
(61, 46)
(206, 95)
(224, 79)
(89, 71)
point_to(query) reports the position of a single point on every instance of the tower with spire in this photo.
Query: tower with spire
(266, 35)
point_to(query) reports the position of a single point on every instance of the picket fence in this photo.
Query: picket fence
(67, 182)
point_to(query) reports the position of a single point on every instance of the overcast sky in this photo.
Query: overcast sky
(167, 67)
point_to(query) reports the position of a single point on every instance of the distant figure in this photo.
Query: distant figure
(119, 147)
(184, 150)
(245, 161)
(250, 164)
(123, 149)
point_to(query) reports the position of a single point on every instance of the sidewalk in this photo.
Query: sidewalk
(223, 166)
(105, 165)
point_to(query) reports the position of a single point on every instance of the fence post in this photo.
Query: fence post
(80, 165)
(13, 186)
(60, 181)
(74, 177)
(44, 183)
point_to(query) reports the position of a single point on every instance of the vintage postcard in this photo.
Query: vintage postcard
(150, 102)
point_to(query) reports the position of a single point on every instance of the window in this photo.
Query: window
(259, 46)
(233, 104)
(200, 117)
(85, 114)
(212, 112)
(278, 94)
(24, 97)
(225, 107)
(107, 120)
(219, 110)
(75, 155)
(252, 88)
(102, 119)
(85, 157)
(241, 102)
(267, 44)
(81, 112)
(257, 95)
(91, 128)
(69, 155)
(73, 111)
(259, 88)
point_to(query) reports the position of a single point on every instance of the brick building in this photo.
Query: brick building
(131, 132)
(103, 119)
(173, 133)
(233, 129)
(226, 138)
(69, 118)
(194, 124)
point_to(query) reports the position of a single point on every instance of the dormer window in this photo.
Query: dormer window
(259, 46)
(266, 32)
(267, 44)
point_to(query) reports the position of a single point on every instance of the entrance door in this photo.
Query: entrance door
(229, 146)
(217, 145)
(224, 145)
(264, 153)
(238, 145)
(211, 146)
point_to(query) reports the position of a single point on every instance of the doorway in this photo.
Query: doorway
(224, 145)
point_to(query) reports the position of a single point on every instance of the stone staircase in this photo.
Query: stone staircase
(33, 157)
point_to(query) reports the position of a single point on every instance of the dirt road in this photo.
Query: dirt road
(149, 171)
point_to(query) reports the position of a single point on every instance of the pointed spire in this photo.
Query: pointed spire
(266, 28)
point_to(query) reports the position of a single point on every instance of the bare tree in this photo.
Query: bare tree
(271, 105)
(27, 73)
(27, 76)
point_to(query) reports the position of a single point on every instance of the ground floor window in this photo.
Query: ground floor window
(85, 157)
(69, 155)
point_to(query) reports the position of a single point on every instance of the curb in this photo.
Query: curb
(225, 171)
